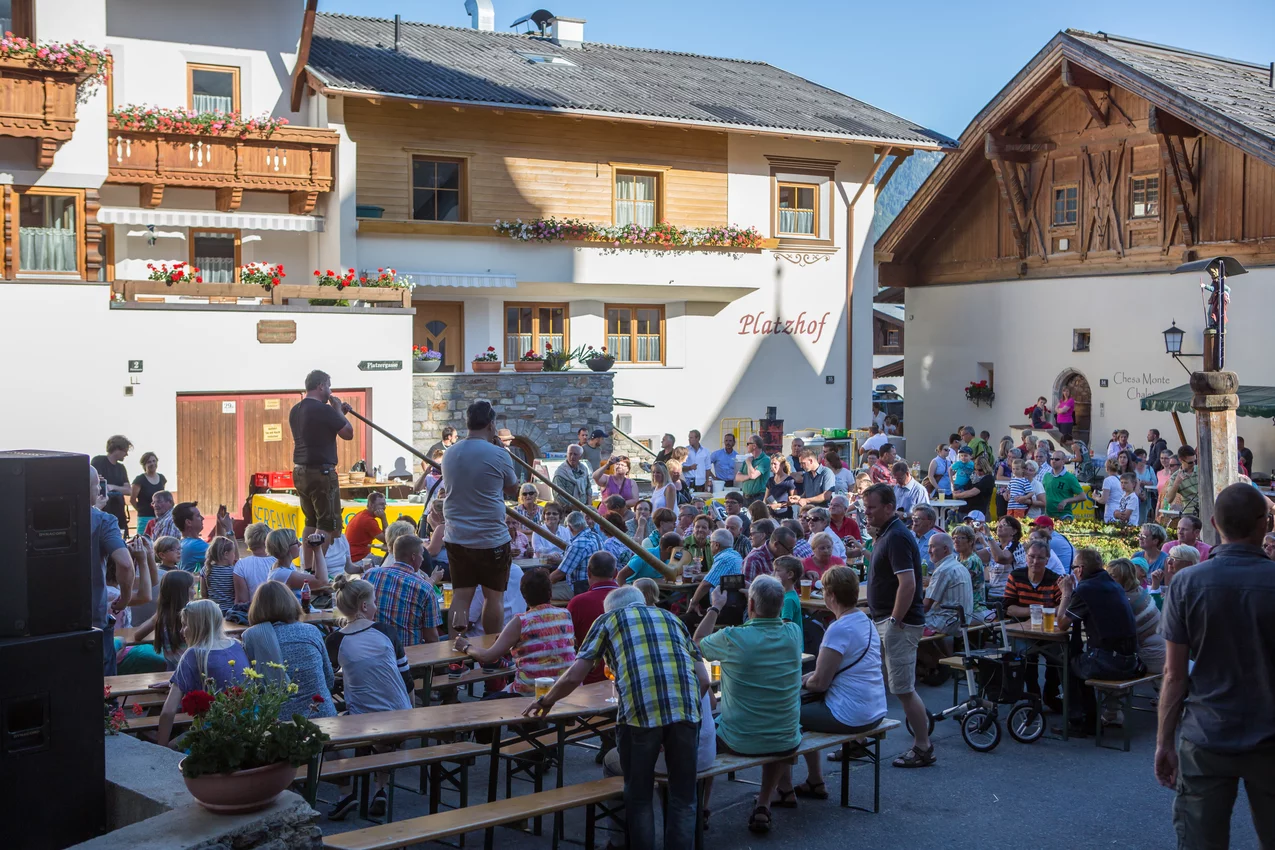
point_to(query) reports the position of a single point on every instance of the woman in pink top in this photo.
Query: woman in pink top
(614, 480)
(1066, 412)
(542, 640)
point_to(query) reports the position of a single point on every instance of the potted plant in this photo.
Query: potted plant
(177, 273)
(488, 361)
(530, 362)
(979, 392)
(425, 359)
(556, 361)
(265, 275)
(239, 754)
(598, 361)
(341, 281)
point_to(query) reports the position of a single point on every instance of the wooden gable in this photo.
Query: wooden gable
(1070, 174)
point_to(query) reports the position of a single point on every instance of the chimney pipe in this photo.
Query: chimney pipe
(567, 32)
(398, 26)
(482, 14)
(1271, 81)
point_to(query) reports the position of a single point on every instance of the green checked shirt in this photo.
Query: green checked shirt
(654, 662)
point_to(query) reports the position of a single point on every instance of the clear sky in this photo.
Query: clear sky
(933, 61)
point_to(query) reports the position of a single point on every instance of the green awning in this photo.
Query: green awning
(1258, 402)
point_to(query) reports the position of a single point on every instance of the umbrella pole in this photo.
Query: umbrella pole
(1177, 423)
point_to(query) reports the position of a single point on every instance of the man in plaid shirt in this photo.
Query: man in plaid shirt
(162, 525)
(761, 561)
(659, 680)
(575, 561)
(406, 600)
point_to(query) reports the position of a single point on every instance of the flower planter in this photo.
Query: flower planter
(600, 364)
(486, 365)
(529, 366)
(243, 790)
(425, 366)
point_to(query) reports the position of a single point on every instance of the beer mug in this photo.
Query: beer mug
(1037, 615)
(806, 586)
(447, 595)
(1048, 619)
(715, 671)
(543, 684)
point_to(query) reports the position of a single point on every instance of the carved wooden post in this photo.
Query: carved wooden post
(1215, 401)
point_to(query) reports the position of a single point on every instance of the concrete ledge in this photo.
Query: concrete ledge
(149, 808)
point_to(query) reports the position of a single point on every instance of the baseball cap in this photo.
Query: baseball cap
(965, 450)
(598, 432)
(1043, 522)
(976, 516)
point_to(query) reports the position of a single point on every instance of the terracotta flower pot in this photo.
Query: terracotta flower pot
(242, 790)
(601, 364)
(486, 365)
(529, 366)
(423, 366)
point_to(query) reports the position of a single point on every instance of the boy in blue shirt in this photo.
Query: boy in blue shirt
(962, 469)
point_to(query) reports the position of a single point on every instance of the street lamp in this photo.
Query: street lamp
(1214, 304)
(1173, 340)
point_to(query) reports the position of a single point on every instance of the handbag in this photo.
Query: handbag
(808, 696)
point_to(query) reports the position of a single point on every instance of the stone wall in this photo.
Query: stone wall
(544, 408)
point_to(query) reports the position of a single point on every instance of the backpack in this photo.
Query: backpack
(812, 632)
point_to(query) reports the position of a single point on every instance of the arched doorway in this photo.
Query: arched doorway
(1079, 386)
(522, 448)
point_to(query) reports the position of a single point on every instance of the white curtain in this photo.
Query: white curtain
(47, 249)
(213, 103)
(516, 345)
(620, 348)
(648, 349)
(635, 200)
(797, 221)
(216, 269)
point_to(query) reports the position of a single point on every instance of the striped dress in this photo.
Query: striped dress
(221, 586)
(545, 648)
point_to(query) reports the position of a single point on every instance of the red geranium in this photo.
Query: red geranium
(196, 703)
(316, 698)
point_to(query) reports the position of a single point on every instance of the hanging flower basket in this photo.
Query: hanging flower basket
(980, 393)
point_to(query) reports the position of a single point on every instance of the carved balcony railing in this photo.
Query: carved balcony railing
(296, 160)
(38, 103)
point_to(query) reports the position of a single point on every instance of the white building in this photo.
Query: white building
(1038, 256)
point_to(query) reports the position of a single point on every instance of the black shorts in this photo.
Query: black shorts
(473, 567)
(319, 492)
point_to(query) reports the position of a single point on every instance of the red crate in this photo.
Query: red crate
(272, 480)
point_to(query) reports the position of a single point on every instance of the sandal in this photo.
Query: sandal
(916, 758)
(787, 799)
(756, 824)
(816, 790)
(857, 751)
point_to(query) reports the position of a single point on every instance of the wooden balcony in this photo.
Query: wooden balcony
(296, 160)
(36, 103)
(221, 293)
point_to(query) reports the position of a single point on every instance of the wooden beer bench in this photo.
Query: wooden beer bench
(1121, 693)
(434, 827)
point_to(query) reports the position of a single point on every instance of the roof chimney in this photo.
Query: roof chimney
(567, 32)
(482, 14)
(1271, 80)
(398, 26)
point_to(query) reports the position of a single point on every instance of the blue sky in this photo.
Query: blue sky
(934, 61)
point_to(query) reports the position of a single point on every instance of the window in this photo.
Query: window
(1146, 196)
(1065, 204)
(216, 254)
(1080, 339)
(49, 232)
(18, 17)
(533, 326)
(892, 337)
(636, 198)
(213, 88)
(436, 189)
(635, 334)
(798, 209)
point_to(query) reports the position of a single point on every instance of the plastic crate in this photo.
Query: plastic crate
(272, 480)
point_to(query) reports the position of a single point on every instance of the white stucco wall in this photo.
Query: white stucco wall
(1025, 329)
(67, 374)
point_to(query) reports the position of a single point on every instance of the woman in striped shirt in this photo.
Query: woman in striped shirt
(542, 640)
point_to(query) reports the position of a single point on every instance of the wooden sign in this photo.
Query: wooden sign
(276, 332)
(272, 433)
(272, 404)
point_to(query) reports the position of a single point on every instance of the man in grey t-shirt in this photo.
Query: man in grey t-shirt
(817, 482)
(478, 471)
(1221, 613)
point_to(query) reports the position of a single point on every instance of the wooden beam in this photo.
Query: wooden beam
(1076, 77)
(302, 203)
(1163, 124)
(1184, 188)
(299, 75)
(229, 198)
(996, 146)
(884, 179)
(876, 165)
(150, 195)
(1003, 169)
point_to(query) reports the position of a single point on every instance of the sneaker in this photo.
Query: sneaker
(379, 802)
(455, 671)
(1113, 718)
(344, 807)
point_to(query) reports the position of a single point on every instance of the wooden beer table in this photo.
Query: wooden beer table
(1040, 639)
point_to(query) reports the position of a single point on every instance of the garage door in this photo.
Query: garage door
(222, 439)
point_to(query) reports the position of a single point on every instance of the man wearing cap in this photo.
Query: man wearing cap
(1059, 545)
(1062, 489)
(593, 449)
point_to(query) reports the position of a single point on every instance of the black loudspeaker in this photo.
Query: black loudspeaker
(52, 739)
(44, 523)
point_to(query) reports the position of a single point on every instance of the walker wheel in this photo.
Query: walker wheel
(929, 719)
(1026, 723)
(981, 731)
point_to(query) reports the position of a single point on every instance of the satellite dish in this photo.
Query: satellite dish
(540, 17)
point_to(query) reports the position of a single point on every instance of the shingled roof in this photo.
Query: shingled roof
(455, 65)
(1230, 99)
